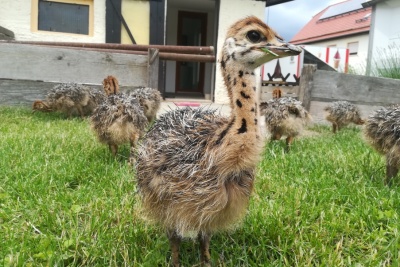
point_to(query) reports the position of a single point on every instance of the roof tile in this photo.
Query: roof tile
(356, 21)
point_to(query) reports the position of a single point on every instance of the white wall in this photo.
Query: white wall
(386, 29)
(230, 12)
(357, 62)
(15, 16)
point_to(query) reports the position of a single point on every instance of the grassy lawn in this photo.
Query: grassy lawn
(64, 201)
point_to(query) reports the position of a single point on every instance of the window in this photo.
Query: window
(353, 48)
(66, 16)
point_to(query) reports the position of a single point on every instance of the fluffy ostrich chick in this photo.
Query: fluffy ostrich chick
(196, 169)
(119, 119)
(69, 98)
(149, 98)
(342, 113)
(382, 132)
(284, 116)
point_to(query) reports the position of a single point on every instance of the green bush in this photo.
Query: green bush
(387, 62)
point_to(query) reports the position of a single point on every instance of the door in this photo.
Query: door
(192, 30)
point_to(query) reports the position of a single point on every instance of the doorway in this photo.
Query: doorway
(192, 30)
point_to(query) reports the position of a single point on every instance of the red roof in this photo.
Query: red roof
(351, 22)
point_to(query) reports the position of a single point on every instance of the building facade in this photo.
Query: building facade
(342, 25)
(172, 22)
(384, 38)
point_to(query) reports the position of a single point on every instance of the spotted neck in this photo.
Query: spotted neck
(240, 137)
(241, 85)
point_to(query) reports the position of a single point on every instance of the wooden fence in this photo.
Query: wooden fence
(27, 72)
(29, 69)
(318, 88)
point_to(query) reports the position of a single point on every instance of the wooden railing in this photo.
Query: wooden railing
(166, 52)
(29, 68)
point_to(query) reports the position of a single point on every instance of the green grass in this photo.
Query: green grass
(64, 201)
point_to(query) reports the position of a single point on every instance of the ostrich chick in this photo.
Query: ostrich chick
(95, 98)
(118, 119)
(69, 98)
(110, 85)
(149, 98)
(342, 113)
(150, 101)
(195, 169)
(382, 132)
(277, 93)
(285, 116)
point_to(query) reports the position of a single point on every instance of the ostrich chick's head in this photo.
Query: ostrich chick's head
(41, 106)
(110, 85)
(252, 43)
(277, 93)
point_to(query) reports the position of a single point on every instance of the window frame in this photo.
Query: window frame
(35, 16)
(348, 47)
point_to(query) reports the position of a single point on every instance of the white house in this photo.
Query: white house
(342, 25)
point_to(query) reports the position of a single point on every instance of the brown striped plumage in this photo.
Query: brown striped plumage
(382, 132)
(195, 169)
(70, 98)
(342, 113)
(150, 100)
(119, 119)
(285, 116)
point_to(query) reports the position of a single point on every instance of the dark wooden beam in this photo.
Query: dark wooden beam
(157, 22)
(274, 2)
(113, 22)
(158, 35)
(117, 8)
(371, 3)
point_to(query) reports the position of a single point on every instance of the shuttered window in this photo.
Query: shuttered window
(63, 17)
(353, 48)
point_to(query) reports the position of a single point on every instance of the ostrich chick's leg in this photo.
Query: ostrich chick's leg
(174, 242)
(391, 171)
(80, 111)
(334, 127)
(113, 149)
(289, 141)
(205, 257)
(133, 141)
(276, 136)
(69, 114)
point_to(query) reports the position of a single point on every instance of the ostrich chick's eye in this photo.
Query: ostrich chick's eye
(253, 36)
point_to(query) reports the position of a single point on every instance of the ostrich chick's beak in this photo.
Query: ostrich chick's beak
(282, 50)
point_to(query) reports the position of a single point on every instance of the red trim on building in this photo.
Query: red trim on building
(298, 65)
(346, 64)
(327, 55)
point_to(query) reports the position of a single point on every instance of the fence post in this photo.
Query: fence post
(306, 84)
(153, 67)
